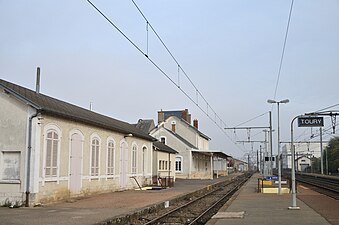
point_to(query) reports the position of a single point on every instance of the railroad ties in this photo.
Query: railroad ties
(195, 209)
(327, 185)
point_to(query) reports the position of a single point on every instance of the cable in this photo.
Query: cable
(332, 106)
(251, 119)
(166, 75)
(283, 50)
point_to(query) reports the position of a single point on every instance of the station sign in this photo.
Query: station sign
(310, 121)
(271, 177)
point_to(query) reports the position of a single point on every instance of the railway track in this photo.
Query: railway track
(323, 184)
(196, 210)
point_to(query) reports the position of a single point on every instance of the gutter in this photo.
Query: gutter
(29, 150)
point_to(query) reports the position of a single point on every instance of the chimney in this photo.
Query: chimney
(173, 126)
(161, 116)
(189, 118)
(37, 87)
(195, 123)
(186, 116)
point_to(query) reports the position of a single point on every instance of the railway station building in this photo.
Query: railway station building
(194, 160)
(52, 150)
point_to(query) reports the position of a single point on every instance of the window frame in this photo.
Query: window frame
(94, 169)
(134, 159)
(2, 159)
(47, 129)
(163, 138)
(110, 158)
(178, 159)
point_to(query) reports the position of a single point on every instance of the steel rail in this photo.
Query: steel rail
(330, 188)
(200, 215)
(231, 192)
(180, 207)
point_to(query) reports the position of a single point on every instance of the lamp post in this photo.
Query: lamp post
(279, 161)
(294, 195)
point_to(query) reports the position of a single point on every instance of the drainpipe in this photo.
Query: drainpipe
(29, 149)
(169, 165)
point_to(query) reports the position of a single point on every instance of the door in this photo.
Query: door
(75, 164)
(123, 164)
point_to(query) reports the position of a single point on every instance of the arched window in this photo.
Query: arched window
(51, 160)
(95, 157)
(110, 157)
(178, 164)
(134, 159)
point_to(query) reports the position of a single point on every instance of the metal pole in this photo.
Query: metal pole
(266, 155)
(294, 196)
(321, 151)
(271, 146)
(248, 161)
(279, 162)
(327, 161)
(258, 161)
(261, 161)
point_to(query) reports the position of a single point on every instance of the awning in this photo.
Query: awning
(212, 153)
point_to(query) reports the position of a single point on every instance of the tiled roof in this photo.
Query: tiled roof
(58, 108)
(192, 127)
(164, 148)
(145, 125)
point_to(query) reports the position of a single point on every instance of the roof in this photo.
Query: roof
(164, 148)
(192, 127)
(51, 106)
(214, 153)
(181, 139)
(145, 125)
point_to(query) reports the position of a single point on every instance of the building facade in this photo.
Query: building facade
(52, 150)
(194, 160)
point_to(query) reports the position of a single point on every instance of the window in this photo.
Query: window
(10, 166)
(178, 164)
(95, 157)
(110, 158)
(134, 159)
(52, 144)
(163, 140)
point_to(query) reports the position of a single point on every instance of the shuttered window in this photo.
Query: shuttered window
(134, 159)
(95, 157)
(110, 158)
(52, 144)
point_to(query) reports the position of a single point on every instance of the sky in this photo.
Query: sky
(230, 49)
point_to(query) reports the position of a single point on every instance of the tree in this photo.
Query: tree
(332, 153)
(315, 162)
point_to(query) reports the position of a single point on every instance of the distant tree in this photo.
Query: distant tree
(332, 152)
(315, 162)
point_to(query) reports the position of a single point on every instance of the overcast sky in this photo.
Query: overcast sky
(230, 49)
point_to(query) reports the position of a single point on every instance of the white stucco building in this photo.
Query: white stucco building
(194, 160)
(52, 150)
(304, 151)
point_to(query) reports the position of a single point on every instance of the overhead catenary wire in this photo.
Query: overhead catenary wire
(329, 107)
(325, 129)
(283, 50)
(256, 117)
(208, 107)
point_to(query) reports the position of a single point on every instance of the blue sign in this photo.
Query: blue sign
(271, 178)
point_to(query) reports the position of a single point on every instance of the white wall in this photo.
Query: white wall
(13, 147)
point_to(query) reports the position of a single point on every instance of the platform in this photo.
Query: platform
(99, 208)
(250, 207)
